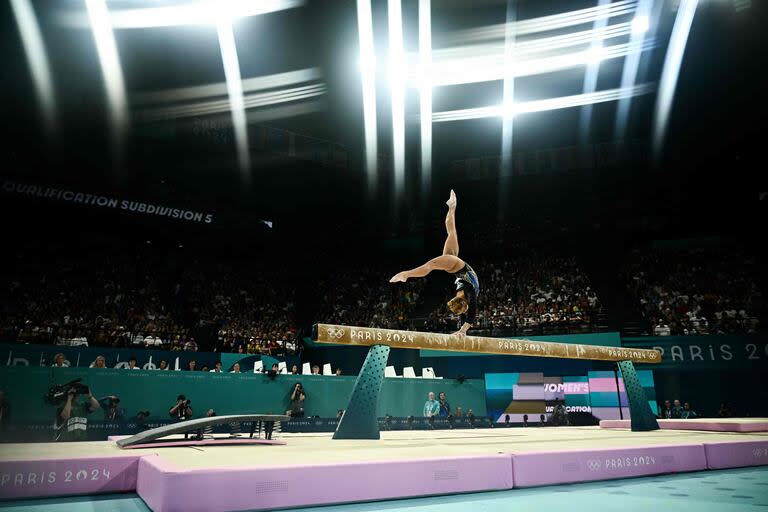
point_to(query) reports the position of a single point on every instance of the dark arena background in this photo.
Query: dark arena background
(210, 210)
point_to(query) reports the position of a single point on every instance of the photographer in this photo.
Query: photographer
(71, 418)
(559, 415)
(5, 411)
(111, 410)
(296, 409)
(181, 411)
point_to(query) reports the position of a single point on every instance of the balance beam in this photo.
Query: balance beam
(368, 336)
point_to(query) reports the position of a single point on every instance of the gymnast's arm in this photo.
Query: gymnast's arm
(463, 329)
(466, 324)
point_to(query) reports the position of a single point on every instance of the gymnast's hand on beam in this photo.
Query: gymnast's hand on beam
(463, 331)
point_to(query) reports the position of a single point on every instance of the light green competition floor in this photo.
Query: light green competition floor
(707, 491)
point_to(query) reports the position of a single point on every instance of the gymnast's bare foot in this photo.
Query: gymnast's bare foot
(451, 202)
(399, 278)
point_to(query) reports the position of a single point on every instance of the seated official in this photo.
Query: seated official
(431, 406)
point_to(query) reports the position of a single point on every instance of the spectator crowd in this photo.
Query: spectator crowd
(695, 291)
(121, 298)
(364, 296)
(529, 292)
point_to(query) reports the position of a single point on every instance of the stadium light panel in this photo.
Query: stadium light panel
(640, 24)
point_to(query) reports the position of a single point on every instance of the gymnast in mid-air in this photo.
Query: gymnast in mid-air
(464, 303)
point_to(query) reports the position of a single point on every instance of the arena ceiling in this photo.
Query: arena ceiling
(138, 92)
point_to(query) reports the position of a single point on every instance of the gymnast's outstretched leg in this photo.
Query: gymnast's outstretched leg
(449, 261)
(451, 245)
(446, 262)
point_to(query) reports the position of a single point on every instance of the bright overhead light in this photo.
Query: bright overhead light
(368, 82)
(640, 24)
(594, 55)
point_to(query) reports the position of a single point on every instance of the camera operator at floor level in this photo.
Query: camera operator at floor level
(181, 411)
(5, 411)
(71, 419)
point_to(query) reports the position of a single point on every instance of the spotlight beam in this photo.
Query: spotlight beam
(508, 101)
(397, 93)
(255, 100)
(37, 60)
(590, 78)
(508, 95)
(671, 72)
(598, 33)
(425, 93)
(195, 13)
(368, 81)
(219, 89)
(231, 63)
(542, 105)
(487, 69)
(543, 24)
(112, 72)
(631, 65)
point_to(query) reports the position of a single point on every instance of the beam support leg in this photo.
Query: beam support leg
(643, 419)
(360, 420)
